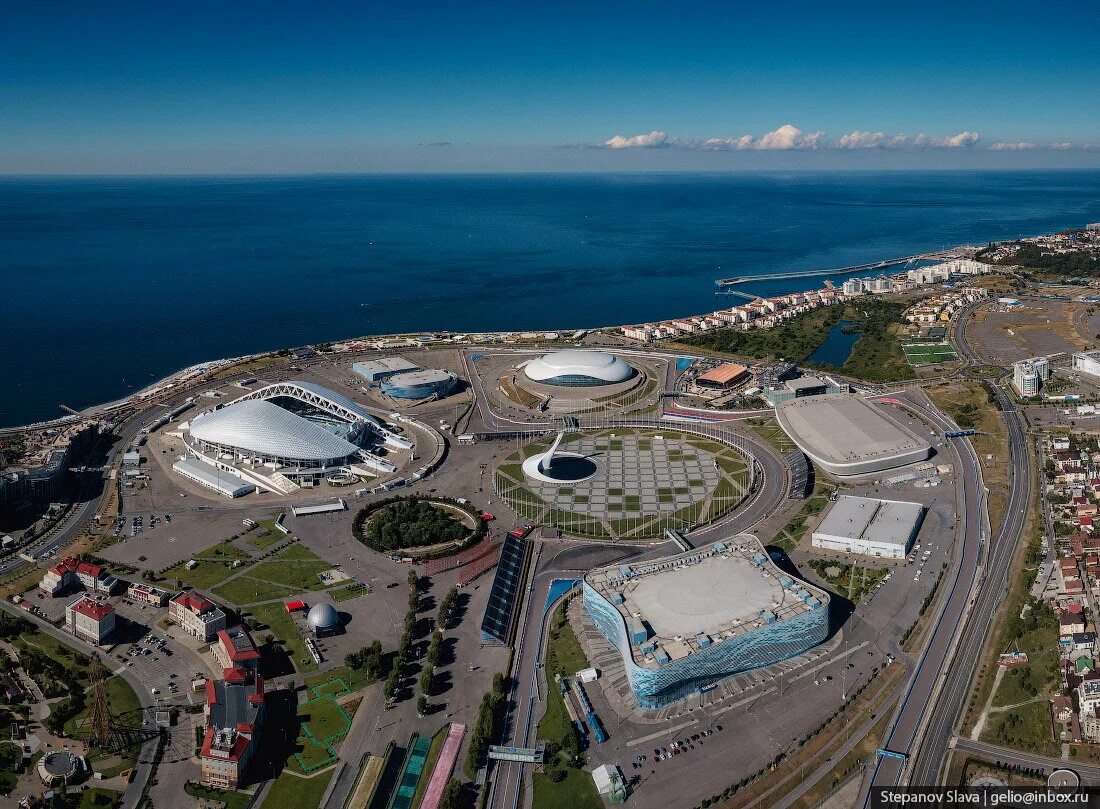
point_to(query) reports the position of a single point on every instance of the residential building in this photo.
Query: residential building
(90, 620)
(147, 594)
(72, 574)
(199, 616)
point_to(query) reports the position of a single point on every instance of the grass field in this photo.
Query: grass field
(294, 792)
(577, 791)
(245, 590)
(324, 719)
(232, 800)
(1024, 728)
(563, 656)
(265, 535)
(282, 626)
(929, 353)
(207, 575)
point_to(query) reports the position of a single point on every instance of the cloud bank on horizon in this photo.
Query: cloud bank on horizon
(789, 138)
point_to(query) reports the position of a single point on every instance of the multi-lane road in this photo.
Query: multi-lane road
(925, 720)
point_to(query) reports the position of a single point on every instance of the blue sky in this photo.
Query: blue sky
(261, 87)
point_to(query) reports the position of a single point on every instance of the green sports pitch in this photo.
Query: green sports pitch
(929, 353)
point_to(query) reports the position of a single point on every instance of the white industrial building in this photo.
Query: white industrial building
(1087, 362)
(869, 526)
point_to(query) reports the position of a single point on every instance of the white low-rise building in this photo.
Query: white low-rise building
(869, 526)
(90, 619)
(197, 615)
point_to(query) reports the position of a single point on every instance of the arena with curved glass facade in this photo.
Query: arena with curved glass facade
(684, 622)
(420, 384)
(578, 369)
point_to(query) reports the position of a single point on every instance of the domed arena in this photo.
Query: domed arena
(578, 369)
(323, 620)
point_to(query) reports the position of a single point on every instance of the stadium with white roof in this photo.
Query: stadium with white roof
(578, 369)
(283, 434)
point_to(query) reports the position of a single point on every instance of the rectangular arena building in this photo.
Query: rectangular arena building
(847, 435)
(869, 526)
(684, 622)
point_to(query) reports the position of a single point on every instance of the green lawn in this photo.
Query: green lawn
(293, 792)
(302, 575)
(282, 626)
(232, 800)
(223, 552)
(205, 576)
(98, 798)
(324, 719)
(245, 590)
(1024, 728)
(346, 592)
(354, 679)
(577, 791)
(564, 656)
(265, 535)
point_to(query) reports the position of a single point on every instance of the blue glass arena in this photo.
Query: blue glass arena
(682, 623)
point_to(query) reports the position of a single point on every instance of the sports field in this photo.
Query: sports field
(929, 353)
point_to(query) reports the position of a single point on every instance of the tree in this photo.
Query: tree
(422, 705)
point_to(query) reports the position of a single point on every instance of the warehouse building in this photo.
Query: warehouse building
(870, 527)
(377, 370)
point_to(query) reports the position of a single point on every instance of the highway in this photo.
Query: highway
(944, 664)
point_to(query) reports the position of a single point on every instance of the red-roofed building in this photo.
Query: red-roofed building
(235, 715)
(90, 620)
(236, 649)
(72, 574)
(295, 606)
(197, 615)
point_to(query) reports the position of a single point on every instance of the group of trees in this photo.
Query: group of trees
(407, 522)
(371, 659)
(448, 608)
(393, 681)
(1080, 262)
(487, 727)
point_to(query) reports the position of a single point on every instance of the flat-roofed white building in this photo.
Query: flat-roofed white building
(1087, 362)
(869, 526)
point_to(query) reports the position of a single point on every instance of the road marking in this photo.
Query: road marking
(660, 733)
(832, 659)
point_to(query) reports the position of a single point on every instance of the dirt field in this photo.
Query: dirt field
(1037, 328)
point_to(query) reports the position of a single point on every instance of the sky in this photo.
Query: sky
(274, 87)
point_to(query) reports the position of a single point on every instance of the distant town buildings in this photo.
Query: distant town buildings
(943, 308)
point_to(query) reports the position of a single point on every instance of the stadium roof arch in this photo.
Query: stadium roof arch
(330, 401)
(266, 429)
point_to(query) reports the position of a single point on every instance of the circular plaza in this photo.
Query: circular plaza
(623, 483)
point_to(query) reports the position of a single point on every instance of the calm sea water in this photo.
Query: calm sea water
(109, 284)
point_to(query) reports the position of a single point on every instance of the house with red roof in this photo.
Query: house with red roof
(90, 619)
(234, 714)
(235, 648)
(197, 615)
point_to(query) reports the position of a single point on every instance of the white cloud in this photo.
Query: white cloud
(959, 141)
(1019, 146)
(871, 140)
(1061, 147)
(654, 140)
(788, 137)
(728, 144)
